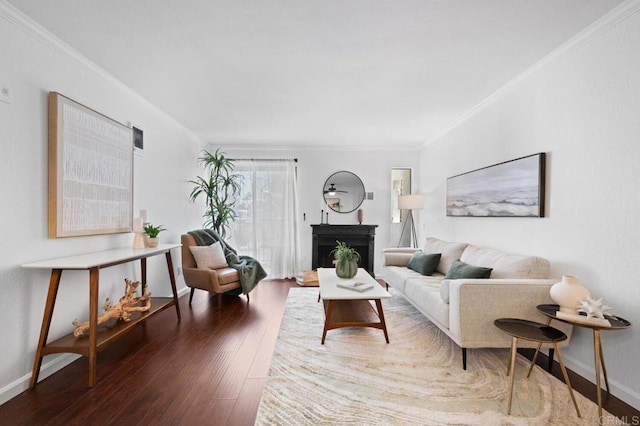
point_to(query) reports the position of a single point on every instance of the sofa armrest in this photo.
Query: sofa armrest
(398, 256)
(474, 304)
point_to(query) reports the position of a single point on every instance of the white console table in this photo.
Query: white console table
(99, 336)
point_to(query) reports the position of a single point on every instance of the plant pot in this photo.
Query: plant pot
(151, 242)
(346, 268)
(568, 293)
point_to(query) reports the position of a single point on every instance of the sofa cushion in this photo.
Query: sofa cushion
(425, 295)
(461, 270)
(450, 252)
(396, 276)
(506, 265)
(209, 256)
(425, 264)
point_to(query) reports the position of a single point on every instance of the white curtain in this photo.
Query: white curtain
(267, 226)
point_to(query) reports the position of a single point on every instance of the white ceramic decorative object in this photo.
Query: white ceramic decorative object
(568, 293)
(594, 308)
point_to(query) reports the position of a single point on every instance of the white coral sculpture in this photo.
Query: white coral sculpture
(594, 308)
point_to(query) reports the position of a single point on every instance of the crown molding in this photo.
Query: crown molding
(602, 25)
(27, 25)
(311, 147)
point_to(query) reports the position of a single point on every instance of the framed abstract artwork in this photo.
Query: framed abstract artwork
(90, 171)
(514, 188)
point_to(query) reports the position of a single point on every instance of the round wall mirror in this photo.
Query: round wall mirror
(343, 192)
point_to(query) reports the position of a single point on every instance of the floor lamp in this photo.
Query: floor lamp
(410, 202)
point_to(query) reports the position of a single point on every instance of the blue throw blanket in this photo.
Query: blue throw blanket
(249, 269)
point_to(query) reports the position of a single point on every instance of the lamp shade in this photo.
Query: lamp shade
(411, 202)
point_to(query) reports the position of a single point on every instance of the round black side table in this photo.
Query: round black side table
(535, 332)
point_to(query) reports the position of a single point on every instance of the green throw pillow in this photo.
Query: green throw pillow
(460, 270)
(425, 264)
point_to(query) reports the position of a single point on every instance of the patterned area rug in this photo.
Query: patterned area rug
(356, 378)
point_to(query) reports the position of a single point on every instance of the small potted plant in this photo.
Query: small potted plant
(346, 260)
(151, 231)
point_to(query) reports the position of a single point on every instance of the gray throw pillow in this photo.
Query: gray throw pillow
(460, 270)
(425, 264)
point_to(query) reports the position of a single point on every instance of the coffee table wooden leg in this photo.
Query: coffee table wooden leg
(54, 283)
(512, 367)
(327, 319)
(566, 378)
(381, 316)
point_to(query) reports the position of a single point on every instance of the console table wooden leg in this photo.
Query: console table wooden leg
(94, 278)
(54, 283)
(382, 322)
(172, 277)
(143, 273)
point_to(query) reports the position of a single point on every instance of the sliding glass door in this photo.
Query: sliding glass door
(267, 226)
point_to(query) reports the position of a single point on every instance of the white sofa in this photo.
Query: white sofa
(465, 309)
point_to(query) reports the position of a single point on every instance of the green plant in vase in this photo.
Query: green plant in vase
(219, 186)
(152, 231)
(346, 260)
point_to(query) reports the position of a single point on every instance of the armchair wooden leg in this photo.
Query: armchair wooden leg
(248, 298)
(191, 295)
(219, 297)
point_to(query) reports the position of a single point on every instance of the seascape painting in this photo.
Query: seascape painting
(511, 189)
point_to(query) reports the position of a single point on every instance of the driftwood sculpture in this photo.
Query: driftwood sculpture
(121, 310)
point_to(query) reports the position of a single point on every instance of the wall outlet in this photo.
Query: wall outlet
(5, 95)
(179, 270)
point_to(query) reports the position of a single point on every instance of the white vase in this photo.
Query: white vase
(568, 293)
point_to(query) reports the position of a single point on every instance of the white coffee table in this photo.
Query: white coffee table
(349, 308)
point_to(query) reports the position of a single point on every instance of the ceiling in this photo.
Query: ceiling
(315, 72)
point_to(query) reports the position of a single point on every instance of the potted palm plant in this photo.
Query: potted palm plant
(151, 233)
(346, 260)
(219, 188)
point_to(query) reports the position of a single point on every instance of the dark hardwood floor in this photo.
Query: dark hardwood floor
(210, 368)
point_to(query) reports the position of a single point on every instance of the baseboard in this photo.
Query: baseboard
(53, 365)
(48, 368)
(620, 403)
(621, 392)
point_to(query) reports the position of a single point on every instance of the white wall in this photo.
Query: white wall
(31, 65)
(582, 107)
(316, 165)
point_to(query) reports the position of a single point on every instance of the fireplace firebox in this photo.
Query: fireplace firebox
(360, 237)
